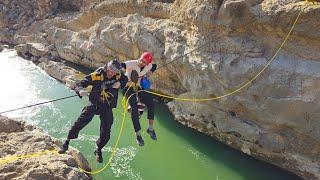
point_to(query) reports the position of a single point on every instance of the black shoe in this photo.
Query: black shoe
(98, 155)
(152, 134)
(64, 148)
(140, 141)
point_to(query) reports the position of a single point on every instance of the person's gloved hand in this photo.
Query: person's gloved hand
(81, 92)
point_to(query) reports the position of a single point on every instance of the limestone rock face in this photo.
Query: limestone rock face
(32, 49)
(19, 14)
(61, 71)
(275, 118)
(19, 138)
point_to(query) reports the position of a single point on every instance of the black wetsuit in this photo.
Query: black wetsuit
(102, 99)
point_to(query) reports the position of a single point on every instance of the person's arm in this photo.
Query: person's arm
(114, 90)
(113, 98)
(151, 69)
(81, 85)
(123, 80)
(85, 82)
(145, 70)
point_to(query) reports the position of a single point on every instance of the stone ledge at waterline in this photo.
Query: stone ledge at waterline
(19, 138)
(276, 119)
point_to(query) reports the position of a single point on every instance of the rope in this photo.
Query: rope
(14, 158)
(6, 160)
(192, 99)
(38, 104)
(125, 106)
(241, 87)
(200, 47)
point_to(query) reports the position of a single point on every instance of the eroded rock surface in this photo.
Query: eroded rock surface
(276, 118)
(18, 138)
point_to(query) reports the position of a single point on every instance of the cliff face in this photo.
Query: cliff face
(18, 139)
(274, 119)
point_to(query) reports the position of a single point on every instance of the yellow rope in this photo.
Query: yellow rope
(13, 158)
(117, 141)
(191, 99)
(241, 87)
(125, 106)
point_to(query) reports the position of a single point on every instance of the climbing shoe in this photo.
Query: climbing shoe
(98, 155)
(152, 134)
(140, 141)
(64, 148)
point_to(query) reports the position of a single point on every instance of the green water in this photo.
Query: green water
(179, 152)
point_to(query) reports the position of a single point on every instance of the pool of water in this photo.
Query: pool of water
(179, 152)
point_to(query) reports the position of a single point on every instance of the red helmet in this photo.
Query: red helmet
(147, 56)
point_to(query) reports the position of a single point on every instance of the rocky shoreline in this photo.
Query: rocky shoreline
(275, 119)
(19, 138)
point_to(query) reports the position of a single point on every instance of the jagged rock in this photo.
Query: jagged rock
(274, 119)
(19, 138)
(32, 50)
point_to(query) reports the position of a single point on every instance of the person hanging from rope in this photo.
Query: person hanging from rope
(105, 82)
(136, 71)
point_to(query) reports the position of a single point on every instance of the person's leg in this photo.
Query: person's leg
(135, 115)
(134, 110)
(106, 121)
(147, 99)
(84, 118)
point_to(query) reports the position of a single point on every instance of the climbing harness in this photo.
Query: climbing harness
(195, 99)
(125, 106)
(105, 95)
(126, 102)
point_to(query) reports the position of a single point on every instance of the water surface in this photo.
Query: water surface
(179, 153)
